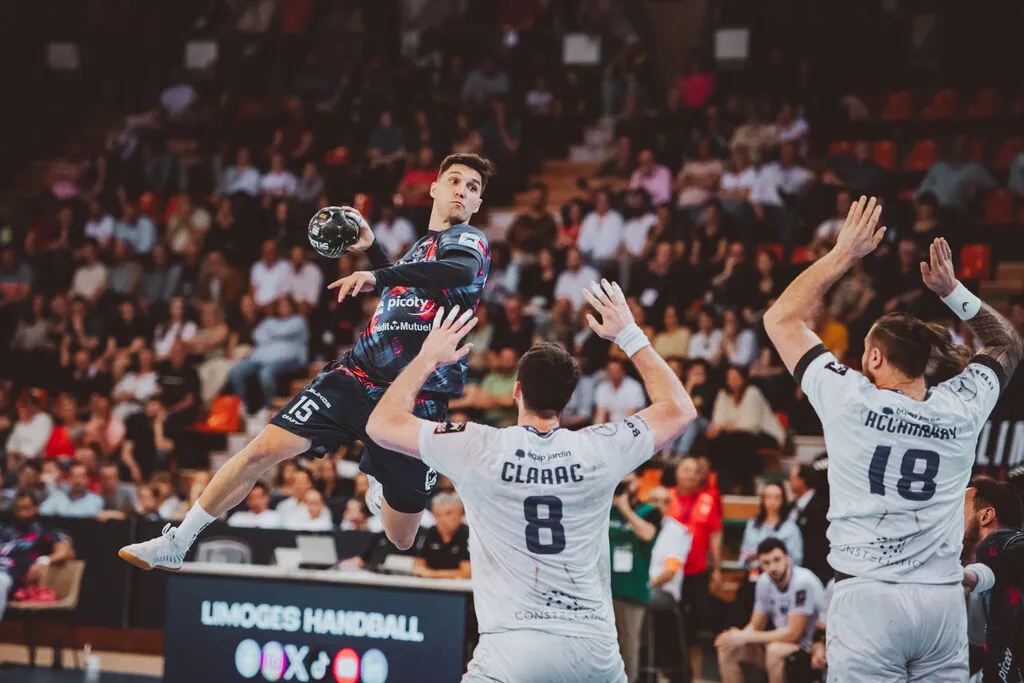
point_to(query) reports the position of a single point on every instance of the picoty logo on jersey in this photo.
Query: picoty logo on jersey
(414, 302)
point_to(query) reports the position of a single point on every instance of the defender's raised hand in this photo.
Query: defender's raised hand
(938, 275)
(860, 233)
(441, 347)
(609, 301)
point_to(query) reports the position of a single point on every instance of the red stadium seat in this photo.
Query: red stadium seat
(898, 107)
(975, 262)
(337, 156)
(224, 416)
(799, 255)
(987, 103)
(885, 154)
(1007, 151)
(999, 206)
(840, 147)
(922, 156)
(774, 247)
(943, 105)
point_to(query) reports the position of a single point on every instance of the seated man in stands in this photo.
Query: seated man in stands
(78, 501)
(792, 597)
(28, 548)
(119, 498)
(259, 515)
(313, 515)
(444, 550)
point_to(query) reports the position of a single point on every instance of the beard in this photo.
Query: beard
(972, 532)
(868, 374)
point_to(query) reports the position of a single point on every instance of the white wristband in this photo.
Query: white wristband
(962, 302)
(631, 340)
(986, 577)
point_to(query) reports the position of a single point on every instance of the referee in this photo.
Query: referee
(992, 537)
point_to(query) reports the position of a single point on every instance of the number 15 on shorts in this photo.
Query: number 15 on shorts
(303, 409)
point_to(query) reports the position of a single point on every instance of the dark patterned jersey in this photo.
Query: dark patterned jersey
(1003, 551)
(405, 315)
(20, 547)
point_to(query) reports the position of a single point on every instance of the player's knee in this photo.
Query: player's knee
(271, 447)
(402, 541)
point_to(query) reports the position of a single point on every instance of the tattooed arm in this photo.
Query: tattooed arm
(1000, 339)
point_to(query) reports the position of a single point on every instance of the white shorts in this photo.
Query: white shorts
(538, 657)
(896, 632)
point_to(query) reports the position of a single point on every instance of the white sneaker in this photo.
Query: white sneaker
(374, 496)
(161, 552)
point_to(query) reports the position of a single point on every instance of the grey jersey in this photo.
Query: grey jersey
(897, 468)
(537, 508)
(803, 594)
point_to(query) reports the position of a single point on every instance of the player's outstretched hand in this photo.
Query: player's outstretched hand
(441, 347)
(938, 275)
(861, 234)
(359, 281)
(365, 233)
(609, 301)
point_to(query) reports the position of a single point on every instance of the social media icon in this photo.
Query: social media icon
(374, 667)
(274, 663)
(346, 666)
(248, 657)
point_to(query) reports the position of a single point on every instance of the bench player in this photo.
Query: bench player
(900, 455)
(448, 267)
(537, 497)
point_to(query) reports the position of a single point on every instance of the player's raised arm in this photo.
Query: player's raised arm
(671, 408)
(785, 322)
(1002, 343)
(392, 424)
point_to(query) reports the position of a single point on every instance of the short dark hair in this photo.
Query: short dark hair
(306, 471)
(31, 465)
(915, 347)
(548, 375)
(476, 162)
(1001, 497)
(771, 544)
(261, 486)
(26, 493)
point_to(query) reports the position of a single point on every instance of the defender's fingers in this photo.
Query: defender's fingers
(438, 318)
(592, 321)
(462, 331)
(618, 293)
(452, 315)
(593, 300)
(599, 293)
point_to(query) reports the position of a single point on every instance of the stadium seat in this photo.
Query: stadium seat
(898, 107)
(1007, 151)
(999, 206)
(799, 255)
(840, 147)
(224, 416)
(885, 154)
(987, 103)
(922, 156)
(337, 156)
(943, 105)
(975, 262)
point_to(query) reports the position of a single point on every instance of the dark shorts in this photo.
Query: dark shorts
(333, 409)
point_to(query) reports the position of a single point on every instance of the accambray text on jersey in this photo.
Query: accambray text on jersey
(890, 422)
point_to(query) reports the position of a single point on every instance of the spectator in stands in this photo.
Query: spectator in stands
(695, 379)
(753, 137)
(166, 497)
(138, 231)
(119, 498)
(632, 529)
(534, 228)
(28, 548)
(386, 150)
(210, 347)
(484, 83)
(695, 506)
(671, 548)
(267, 276)
(900, 287)
(735, 282)
(833, 334)
(616, 173)
(738, 178)
(219, 282)
(957, 181)
(653, 178)
(299, 482)
(200, 480)
(481, 339)
(778, 184)
(123, 277)
(443, 552)
(309, 186)
(513, 330)
(104, 430)
(579, 411)
(100, 226)
(741, 424)
(414, 188)
(618, 395)
(739, 344)
(772, 521)
(699, 177)
(31, 432)
(495, 393)
(810, 508)
(188, 223)
(674, 339)
(303, 280)
(243, 177)
(395, 233)
(710, 243)
(357, 515)
(177, 328)
(502, 135)
(705, 342)
(90, 278)
(77, 501)
(789, 127)
(572, 280)
(312, 515)
(860, 172)
(179, 390)
(278, 181)
(27, 478)
(136, 386)
(160, 278)
(828, 229)
(792, 597)
(147, 506)
(601, 233)
(537, 281)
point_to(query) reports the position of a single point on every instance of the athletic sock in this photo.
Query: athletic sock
(195, 521)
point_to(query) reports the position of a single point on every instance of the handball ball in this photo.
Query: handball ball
(332, 230)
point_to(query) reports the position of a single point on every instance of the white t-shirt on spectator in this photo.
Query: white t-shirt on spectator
(804, 594)
(600, 236)
(100, 229)
(268, 282)
(794, 131)
(621, 401)
(165, 337)
(177, 98)
(671, 547)
(772, 178)
(30, 437)
(301, 521)
(569, 285)
(739, 181)
(829, 229)
(268, 519)
(704, 345)
(278, 183)
(142, 386)
(395, 237)
(169, 507)
(746, 348)
(304, 286)
(635, 233)
(89, 280)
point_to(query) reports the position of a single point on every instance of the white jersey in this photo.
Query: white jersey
(897, 468)
(804, 595)
(537, 508)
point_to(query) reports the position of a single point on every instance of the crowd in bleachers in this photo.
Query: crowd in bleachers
(171, 268)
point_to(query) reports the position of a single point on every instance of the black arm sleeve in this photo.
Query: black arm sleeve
(456, 269)
(378, 257)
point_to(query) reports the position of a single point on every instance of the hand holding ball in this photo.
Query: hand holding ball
(334, 230)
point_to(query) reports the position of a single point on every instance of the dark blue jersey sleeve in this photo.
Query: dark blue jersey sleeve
(464, 239)
(456, 269)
